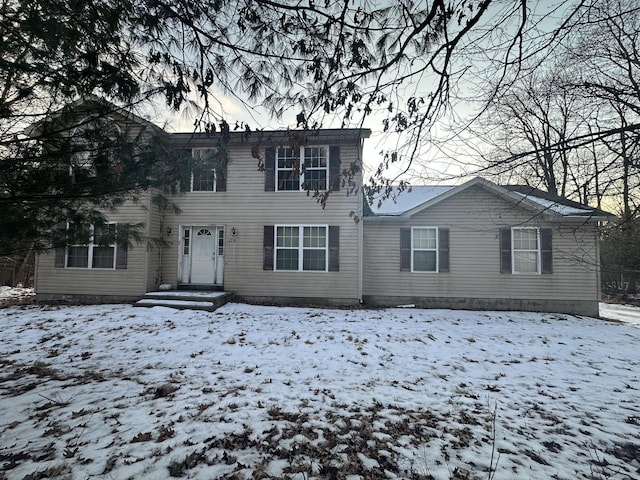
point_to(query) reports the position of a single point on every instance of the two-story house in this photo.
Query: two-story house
(252, 224)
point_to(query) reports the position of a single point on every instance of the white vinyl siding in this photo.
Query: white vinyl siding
(526, 250)
(245, 208)
(129, 282)
(243, 204)
(475, 218)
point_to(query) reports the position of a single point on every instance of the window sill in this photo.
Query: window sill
(301, 271)
(93, 269)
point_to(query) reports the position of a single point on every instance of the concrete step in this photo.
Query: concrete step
(183, 300)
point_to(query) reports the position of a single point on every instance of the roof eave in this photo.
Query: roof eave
(588, 218)
(274, 137)
(383, 218)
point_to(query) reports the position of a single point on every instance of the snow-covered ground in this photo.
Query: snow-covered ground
(621, 313)
(116, 392)
(13, 293)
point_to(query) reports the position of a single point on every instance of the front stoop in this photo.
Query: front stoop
(185, 300)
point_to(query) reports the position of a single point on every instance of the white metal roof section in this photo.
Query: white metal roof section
(400, 202)
(565, 210)
(419, 197)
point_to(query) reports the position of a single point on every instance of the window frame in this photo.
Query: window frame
(84, 149)
(436, 249)
(300, 247)
(514, 251)
(91, 245)
(200, 151)
(299, 168)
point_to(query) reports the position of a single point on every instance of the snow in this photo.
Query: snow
(400, 202)
(113, 391)
(621, 313)
(187, 293)
(11, 292)
(177, 303)
(565, 210)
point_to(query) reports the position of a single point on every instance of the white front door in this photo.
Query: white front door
(202, 255)
(203, 259)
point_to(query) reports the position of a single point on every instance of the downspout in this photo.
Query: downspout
(360, 213)
(36, 262)
(147, 249)
(596, 231)
(360, 252)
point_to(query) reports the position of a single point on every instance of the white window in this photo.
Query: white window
(221, 241)
(526, 250)
(94, 144)
(424, 249)
(301, 248)
(186, 242)
(98, 252)
(203, 173)
(304, 168)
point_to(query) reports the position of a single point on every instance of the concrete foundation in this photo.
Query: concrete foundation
(81, 299)
(587, 308)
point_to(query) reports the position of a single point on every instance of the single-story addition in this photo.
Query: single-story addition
(260, 234)
(483, 246)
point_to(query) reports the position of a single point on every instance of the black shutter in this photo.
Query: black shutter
(60, 255)
(121, 256)
(405, 249)
(269, 169)
(185, 161)
(443, 249)
(334, 249)
(334, 168)
(505, 250)
(60, 241)
(122, 245)
(267, 257)
(221, 177)
(546, 250)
